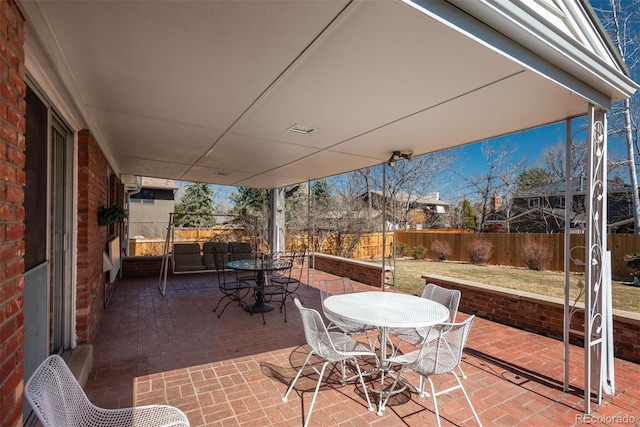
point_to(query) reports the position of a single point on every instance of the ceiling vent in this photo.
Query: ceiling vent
(305, 130)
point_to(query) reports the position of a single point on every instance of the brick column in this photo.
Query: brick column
(93, 179)
(12, 180)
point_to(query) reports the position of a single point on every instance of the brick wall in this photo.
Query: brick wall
(12, 179)
(360, 271)
(142, 266)
(539, 314)
(93, 187)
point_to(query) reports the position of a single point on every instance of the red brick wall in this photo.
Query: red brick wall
(12, 178)
(539, 314)
(93, 186)
(360, 271)
(142, 266)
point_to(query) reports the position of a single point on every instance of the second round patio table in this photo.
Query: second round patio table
(386, 310)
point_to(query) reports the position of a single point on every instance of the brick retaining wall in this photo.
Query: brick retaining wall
(360, 271)
(141, 266)
(536, 313)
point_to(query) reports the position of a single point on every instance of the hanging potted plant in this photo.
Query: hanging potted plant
(109, 215)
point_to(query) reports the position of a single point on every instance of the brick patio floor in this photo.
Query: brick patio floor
(233, 370)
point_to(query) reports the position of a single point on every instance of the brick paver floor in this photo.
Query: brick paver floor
(233, 370)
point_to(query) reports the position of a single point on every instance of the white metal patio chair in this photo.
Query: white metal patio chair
(332, 347)
(59, 401)
(440, 355)
(342, 285)
(450, 298)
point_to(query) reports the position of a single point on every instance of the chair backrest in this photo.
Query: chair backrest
(240, 251)
(215, 255)
(442, 355)
(55, 395)
(448, 297)
(298, 259)
(316, 334)
(341, 285)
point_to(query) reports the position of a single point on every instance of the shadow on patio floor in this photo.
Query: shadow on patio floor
(233, 370)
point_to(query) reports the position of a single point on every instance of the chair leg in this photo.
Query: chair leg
(315, 393)
(383, 403)
(462, 374)
(467, 397)
(286, 395)
(364, 387)
(435, 404)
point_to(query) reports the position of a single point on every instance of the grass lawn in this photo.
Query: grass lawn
(550, 283)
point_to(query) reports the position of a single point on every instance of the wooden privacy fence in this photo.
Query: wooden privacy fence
(155, 246)
(507, 247)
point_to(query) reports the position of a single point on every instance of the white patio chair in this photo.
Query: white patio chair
(436, 356)
(333, 347)
(59, 401)
(342, 285)
(450, 298)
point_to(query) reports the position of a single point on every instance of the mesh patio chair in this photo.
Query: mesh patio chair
(342, 285)
(59, 401)
(440, 355)
(332, 347)
(450, 298)
(233, 290)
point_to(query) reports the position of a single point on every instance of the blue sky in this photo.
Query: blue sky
(528, 148)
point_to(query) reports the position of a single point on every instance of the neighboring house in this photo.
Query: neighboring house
(149, 208)
(542, 209)
(413, 211)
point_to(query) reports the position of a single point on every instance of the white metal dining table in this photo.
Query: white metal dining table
(385, 310)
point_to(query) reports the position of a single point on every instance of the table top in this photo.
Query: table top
(387, 309)
(259, 264)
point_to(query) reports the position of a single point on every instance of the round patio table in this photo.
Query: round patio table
(260, 267)
(385, 310)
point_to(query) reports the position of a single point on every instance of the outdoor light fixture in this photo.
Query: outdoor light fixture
(397, 155)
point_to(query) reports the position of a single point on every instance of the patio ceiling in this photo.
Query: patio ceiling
(205, 91)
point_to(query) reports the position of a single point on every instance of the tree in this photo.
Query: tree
(534, 177)
(468, 216)
(414, 177)
(195, 208)
(251, 206)
(621, 20)
(321, 193)
(554, 157)
(498, 178)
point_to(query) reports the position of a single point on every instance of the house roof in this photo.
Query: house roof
(206, 91)
(414, 199)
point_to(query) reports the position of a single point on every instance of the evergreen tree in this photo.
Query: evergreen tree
(534, 177)
(468, 215)
(196, 207)
(321, 193)
(250, 202)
